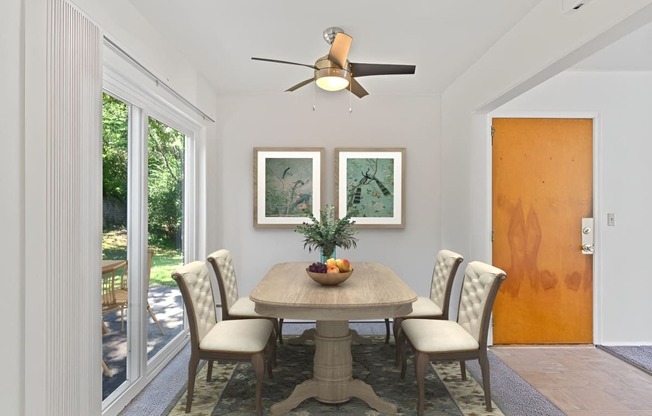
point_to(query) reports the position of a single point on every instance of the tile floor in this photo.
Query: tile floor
(582, 380)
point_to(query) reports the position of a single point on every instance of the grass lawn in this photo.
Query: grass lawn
(114, 246)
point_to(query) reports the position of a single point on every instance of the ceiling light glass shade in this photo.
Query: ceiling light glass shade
(332, 79)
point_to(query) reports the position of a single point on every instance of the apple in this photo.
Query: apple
(331, 262)
(332, 269)
(344, 265)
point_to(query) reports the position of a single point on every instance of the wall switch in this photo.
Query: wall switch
(611, 219)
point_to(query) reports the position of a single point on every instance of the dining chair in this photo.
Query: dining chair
(232, 305)
(150, 257)
(233, 340)
(114, 298)
(437, 304)
(466, 339)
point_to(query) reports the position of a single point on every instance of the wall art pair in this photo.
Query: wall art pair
(369, 184)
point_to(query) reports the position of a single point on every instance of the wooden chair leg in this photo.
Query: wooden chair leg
(151, 313)
(401, 348)
(209, 370)
(486, 379)
(280, 331)
(271, 355)
(106, 369)
(463, 369)
(386, 330)
(421, 366)
(397, 332)
(258, 363)
(192, 373)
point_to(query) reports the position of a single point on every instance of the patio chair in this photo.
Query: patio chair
(466, 339)
(114, 298)
(233, 306)
(228, 341)
(150, 255)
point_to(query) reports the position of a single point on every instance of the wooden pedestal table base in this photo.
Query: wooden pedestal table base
(332, 380)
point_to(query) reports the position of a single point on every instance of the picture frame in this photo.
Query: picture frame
(370, 184)
(286, 182)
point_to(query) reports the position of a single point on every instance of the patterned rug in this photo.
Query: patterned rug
(231, 392)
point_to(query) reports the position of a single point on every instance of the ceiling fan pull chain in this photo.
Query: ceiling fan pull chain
(350, 107)
(314, 98)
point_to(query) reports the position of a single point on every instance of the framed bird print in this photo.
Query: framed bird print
(370, 186)
(287, 182)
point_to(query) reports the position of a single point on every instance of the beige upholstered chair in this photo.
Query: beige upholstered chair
(234, 340)
(150, 256)
(233, 306)
(436, 305)
(466, 339)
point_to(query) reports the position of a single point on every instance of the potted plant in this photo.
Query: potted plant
(327, 233)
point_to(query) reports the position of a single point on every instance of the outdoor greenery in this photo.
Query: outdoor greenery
(327, 233)
(165, 167)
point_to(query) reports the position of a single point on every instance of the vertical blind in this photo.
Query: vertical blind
(73, 222)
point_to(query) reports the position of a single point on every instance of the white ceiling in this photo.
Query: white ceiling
(441, 37)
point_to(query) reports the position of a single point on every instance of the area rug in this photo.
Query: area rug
(640, 356)
(231, 392)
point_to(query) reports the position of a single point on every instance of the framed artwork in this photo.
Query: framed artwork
(287, 181)
(370, 186)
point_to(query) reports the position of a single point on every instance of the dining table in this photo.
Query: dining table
(109, 265)
(373, 291)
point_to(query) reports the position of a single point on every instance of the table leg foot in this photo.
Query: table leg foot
(359, 339)
(308, 335)
(364, 392)
(305, 390)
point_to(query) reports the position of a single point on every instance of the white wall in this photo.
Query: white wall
(540, 46)
(11, 209)
(287, 120)
(624, 103)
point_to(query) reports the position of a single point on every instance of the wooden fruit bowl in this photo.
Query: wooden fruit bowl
(329, 279)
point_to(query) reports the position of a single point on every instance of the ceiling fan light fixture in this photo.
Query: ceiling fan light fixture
(332, 79)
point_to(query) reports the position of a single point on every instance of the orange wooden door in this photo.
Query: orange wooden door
(542, 188)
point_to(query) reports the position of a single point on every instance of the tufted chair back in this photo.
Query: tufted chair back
(479, 290)
(446, 265)
(195, 285)
(222, 263)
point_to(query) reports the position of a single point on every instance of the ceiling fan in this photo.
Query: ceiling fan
(334, 72)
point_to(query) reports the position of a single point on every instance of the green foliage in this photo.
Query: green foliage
(165, 183)
(165, 164)
(327, 233)
(115, 118)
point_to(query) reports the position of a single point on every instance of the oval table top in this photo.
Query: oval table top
(373, 291)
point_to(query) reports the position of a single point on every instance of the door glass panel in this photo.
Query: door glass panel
(115, 120)
(165, 185)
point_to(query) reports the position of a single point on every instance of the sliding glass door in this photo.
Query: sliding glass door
(145, 161)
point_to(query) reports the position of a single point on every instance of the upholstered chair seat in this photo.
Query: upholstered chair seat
(439, 336)
(234, 336)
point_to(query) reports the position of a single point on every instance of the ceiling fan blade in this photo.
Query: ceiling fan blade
(340, 49)
(357, 89)
(363, 70)
(299, 85)
(283, 62)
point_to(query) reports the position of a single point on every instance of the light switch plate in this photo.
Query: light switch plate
(611, 219)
